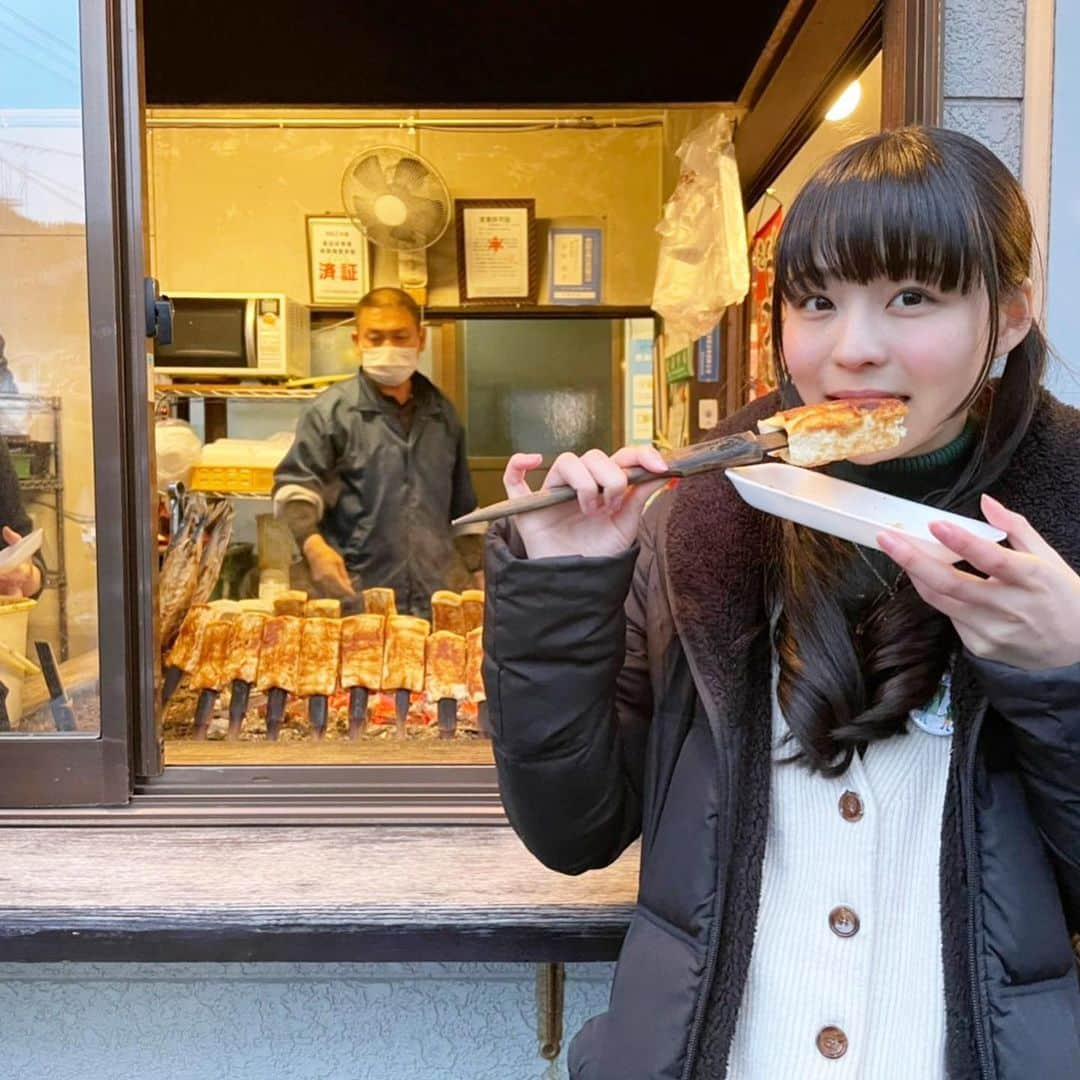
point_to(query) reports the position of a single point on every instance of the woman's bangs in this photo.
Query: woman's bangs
(857, 230)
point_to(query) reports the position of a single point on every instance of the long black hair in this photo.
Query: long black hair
(937, 207)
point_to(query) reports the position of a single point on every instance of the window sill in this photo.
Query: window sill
(373, 894)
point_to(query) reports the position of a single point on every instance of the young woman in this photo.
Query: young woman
(855, 774)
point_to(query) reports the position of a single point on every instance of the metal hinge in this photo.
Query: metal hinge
(550, 980)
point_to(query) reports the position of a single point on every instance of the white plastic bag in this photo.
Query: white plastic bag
(704, 264)
(178, 449)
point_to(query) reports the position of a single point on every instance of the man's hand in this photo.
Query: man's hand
(327, 567)
(21, 580)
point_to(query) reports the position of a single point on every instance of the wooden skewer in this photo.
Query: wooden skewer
(203, 710)
(447, 717)
(401, 710)
(317, 712)
(275, 710)
(238, 704)
(358, 703)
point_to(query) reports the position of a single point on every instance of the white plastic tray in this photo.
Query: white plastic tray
(847, 510)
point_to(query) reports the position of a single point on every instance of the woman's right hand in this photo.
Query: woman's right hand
(604, 519)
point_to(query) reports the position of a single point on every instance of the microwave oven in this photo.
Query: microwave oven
(217, 335)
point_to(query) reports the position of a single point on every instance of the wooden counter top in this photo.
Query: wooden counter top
(366, 893)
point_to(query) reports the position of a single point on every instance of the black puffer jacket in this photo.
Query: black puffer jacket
(653, 720)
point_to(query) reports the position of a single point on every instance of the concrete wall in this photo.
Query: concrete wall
(283, 1021)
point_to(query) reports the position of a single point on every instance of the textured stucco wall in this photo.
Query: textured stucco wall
(283, 1021)
(984, 73)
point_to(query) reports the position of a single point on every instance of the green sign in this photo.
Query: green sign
(679, 366)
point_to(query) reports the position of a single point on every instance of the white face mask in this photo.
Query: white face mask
(391, 365)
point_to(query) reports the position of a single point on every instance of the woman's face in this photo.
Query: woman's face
(894, 339)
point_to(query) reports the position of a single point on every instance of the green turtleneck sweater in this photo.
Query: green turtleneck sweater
(916, 478)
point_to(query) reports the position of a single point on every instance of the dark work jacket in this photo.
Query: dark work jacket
(387, 498)
(652, 720)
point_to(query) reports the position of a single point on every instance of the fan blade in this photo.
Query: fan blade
(427, 219)
(368, 173)
(409, 173)
(361, 207)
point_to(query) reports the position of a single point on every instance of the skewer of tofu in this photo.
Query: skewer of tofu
(210, 674)
(474, 677)
(446, 677)
(379, 602)
(447, 612)
(279, 662)
(322, 609)
(290, 602)
(363, 638)
(320, 651)
(404, 661)
(243, 664)
(184, 654)
(472, 605)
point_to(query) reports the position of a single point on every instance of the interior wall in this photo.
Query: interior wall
(227, 206)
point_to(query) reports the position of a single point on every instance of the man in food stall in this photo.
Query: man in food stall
(378, 470)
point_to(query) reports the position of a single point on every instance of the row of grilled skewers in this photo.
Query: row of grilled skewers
(307, 648)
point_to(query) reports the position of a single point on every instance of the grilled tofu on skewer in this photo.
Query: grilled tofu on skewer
(363, 639)
(446, 677)
(474, 677)
(210, 674)
(243, 664)
(404, 661)
(279, 661)
(320, 651)
(184, 654)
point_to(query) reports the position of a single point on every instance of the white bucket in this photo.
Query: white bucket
(14, 619)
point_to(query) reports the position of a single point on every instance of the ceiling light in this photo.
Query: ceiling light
(845, 104)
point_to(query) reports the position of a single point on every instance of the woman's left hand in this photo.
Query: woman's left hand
(1025, 613)
(21, 580)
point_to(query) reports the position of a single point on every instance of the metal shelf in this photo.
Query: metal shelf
(40, 483)
(238, 393)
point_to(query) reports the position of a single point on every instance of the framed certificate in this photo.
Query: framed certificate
(496, 250)
(337, 261)
(574, 263)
